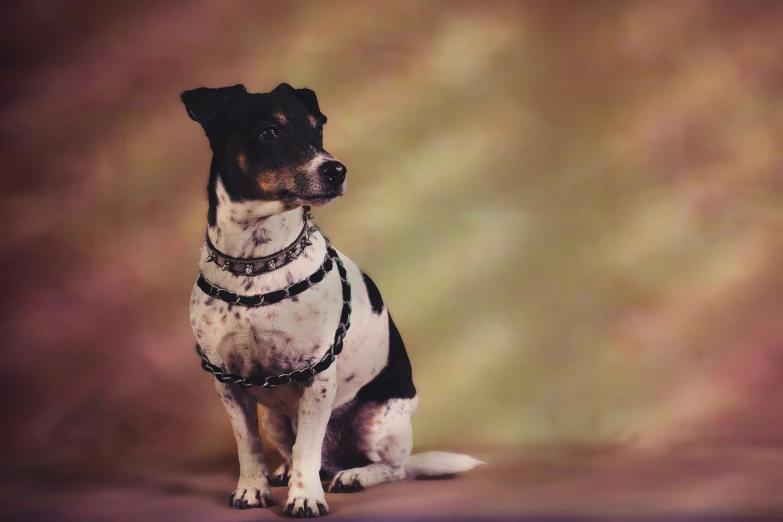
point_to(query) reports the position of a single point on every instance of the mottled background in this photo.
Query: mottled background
(573, 209)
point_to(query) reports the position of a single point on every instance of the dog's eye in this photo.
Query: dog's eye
(269, 133)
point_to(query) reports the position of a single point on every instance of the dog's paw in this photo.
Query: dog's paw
(346, 482)
(281, 475)
(306, 508)
(249, 498)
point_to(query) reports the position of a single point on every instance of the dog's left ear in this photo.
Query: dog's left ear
(307, 97)
(212, 108)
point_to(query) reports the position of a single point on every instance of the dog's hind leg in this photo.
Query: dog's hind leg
(253, 487)
(383, 433)
(279, 431)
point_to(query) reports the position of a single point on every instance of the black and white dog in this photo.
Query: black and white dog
(284, 320)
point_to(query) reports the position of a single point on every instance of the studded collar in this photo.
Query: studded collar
(263, 265)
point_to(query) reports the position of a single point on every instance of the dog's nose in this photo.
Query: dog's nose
(333, 172)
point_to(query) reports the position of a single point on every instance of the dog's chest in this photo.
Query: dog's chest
(268, 340)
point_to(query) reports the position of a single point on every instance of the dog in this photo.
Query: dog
(283, 319)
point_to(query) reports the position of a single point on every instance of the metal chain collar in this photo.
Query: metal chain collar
(303, 374)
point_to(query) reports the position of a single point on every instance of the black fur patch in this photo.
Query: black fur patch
(376, 301)
(396, 379)
(235, 363)
(339, 449)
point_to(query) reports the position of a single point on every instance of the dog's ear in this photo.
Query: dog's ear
(210, 107)
(307, 97)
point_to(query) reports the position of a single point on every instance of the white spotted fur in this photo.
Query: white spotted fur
(299, 331)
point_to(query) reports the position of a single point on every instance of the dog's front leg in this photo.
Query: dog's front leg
(253, 487)
(305, 493)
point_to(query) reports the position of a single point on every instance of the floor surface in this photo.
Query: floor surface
(698, 484)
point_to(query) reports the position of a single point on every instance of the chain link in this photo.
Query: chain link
(303, 374)
(230, 297)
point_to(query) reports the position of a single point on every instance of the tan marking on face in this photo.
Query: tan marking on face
(242, 161)
(313, 121)
(272, 182)
(281, 118)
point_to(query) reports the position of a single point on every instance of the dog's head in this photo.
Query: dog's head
(267, 147)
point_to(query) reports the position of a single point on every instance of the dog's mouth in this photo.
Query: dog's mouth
(323, 199)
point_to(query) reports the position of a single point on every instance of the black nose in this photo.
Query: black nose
(333, 172)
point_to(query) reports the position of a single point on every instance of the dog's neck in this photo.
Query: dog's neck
(249, 229)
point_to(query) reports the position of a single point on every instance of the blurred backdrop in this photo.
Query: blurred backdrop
(573, 210)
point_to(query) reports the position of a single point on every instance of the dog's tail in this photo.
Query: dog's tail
(435, 463)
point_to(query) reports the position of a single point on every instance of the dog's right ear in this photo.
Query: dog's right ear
(211, 107)
(307, 97)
